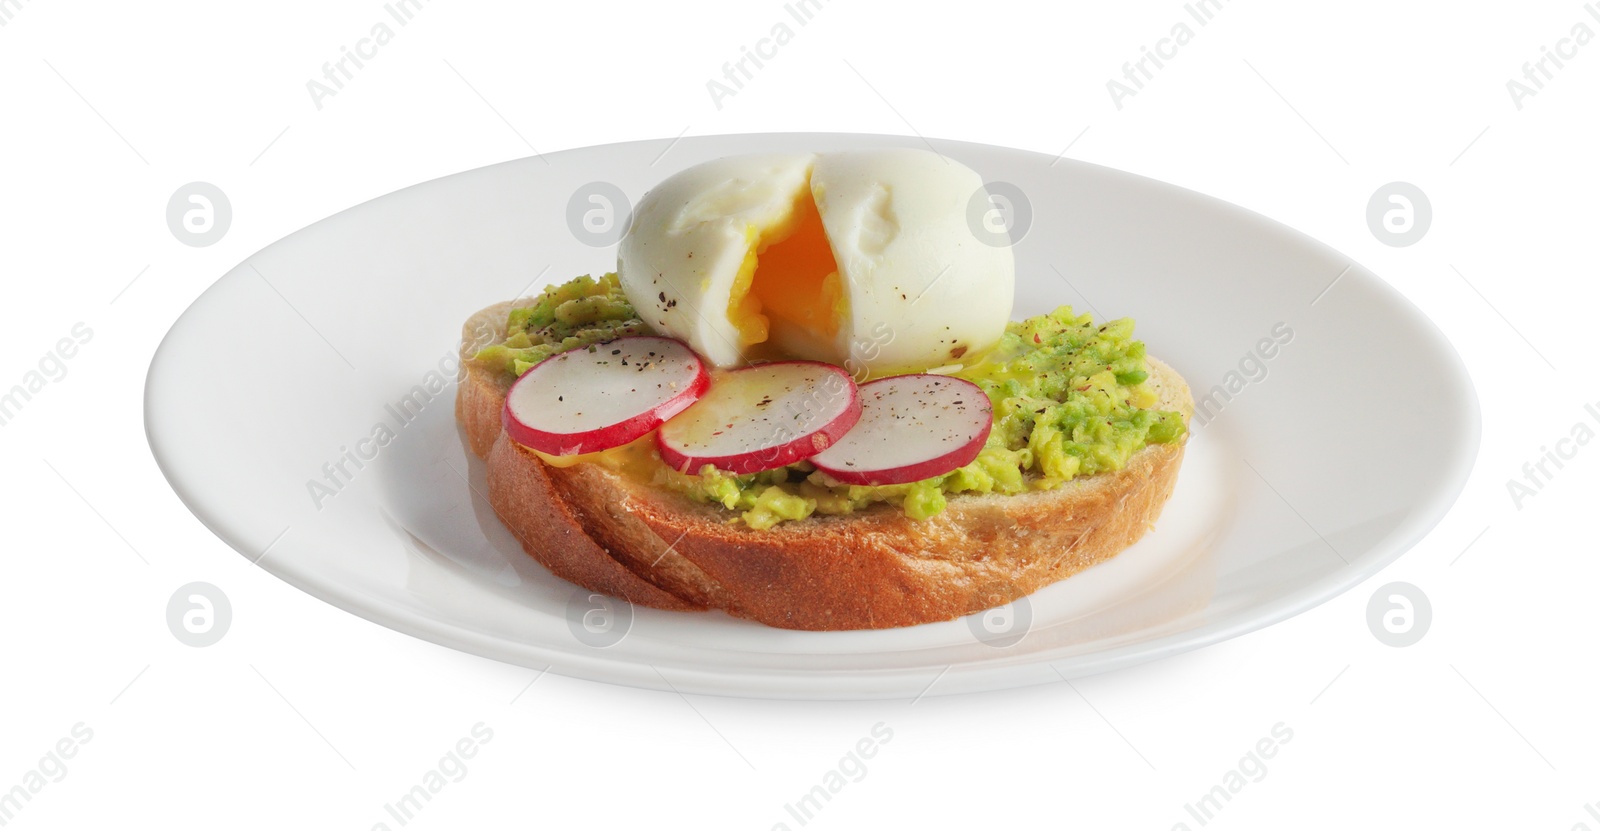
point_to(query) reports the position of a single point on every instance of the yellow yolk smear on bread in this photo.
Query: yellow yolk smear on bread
(788, 273)
(637, 458)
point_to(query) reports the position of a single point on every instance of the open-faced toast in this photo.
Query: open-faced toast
(876, 568)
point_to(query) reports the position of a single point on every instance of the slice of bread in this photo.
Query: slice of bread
(873, 569)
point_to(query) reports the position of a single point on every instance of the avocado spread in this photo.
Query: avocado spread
(577, 313)
(1069, 400)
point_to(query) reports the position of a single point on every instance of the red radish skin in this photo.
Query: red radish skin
(596, 398)
(762, 417)
(912, 427)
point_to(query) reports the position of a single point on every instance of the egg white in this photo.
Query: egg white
(919, 288)
(923, 290)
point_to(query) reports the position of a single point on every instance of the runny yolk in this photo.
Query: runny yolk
(788, 273)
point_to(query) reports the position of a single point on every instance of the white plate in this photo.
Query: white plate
(1343, 451)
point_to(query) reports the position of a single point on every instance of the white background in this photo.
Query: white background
(305, 716)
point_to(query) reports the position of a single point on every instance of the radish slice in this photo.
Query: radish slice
(762, 417)
(912, 427)
(602, 396)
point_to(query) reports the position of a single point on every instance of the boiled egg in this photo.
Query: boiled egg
(866, 260)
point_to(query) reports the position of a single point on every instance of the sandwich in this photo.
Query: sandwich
(800, 398)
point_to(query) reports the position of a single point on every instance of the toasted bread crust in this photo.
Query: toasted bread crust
(873, 569)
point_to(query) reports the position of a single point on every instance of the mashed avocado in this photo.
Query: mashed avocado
(576, 313)
(1069, 400)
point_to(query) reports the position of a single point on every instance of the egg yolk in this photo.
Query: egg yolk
(788, 273)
